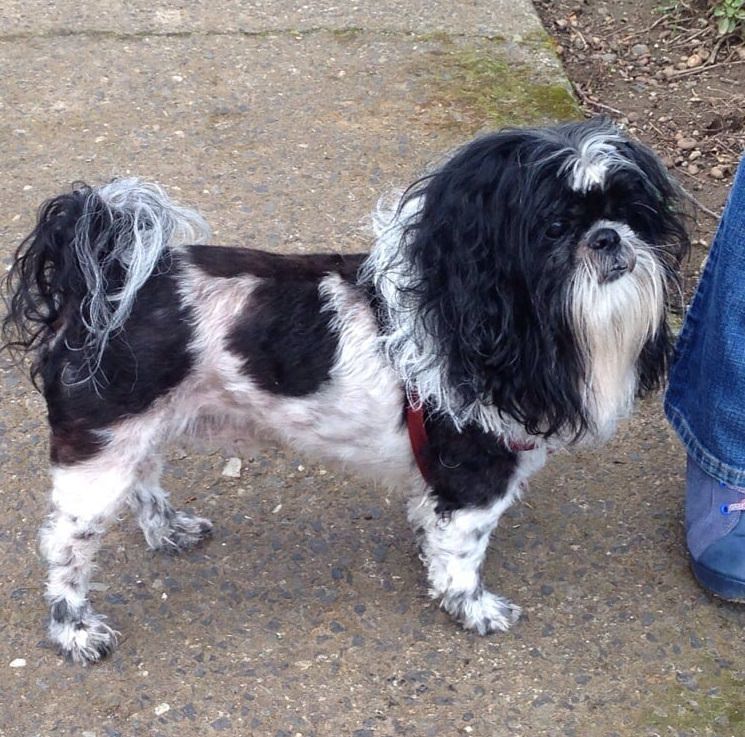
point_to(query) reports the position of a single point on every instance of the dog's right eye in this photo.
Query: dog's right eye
(557, 228)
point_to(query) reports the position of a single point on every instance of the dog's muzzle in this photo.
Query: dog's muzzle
(612, 256)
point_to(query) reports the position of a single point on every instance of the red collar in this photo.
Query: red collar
(419, 441)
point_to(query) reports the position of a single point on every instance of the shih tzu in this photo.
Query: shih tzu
(514, 303)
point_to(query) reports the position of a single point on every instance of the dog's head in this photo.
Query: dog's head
(530, 274)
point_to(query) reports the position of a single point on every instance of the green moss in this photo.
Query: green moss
(482, 86)
(350, 33)
(442, 37)
(716, 703)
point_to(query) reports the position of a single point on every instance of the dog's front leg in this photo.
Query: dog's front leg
(453, 546)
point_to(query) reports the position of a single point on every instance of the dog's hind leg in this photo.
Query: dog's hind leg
(453, 546)
(86, 497)
(164, 527)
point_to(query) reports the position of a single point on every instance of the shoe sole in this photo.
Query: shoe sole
(724, 587)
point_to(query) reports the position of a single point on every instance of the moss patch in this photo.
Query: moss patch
(350, 33)
(715, 707)
(484, 88)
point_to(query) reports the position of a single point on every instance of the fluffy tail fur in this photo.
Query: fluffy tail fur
(91, 251)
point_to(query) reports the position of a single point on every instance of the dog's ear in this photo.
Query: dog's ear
(491, 303)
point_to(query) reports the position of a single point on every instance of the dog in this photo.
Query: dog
(514, 303)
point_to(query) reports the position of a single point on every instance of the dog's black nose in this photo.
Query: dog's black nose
(605, 238)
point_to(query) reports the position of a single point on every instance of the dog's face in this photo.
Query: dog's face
(536, 258)
(602, 231)
(601, 228)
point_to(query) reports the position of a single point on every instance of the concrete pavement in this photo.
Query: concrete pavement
(307, 614)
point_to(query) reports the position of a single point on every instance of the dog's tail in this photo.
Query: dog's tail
(91, 251)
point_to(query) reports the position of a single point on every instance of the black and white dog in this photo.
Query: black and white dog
(514, 303)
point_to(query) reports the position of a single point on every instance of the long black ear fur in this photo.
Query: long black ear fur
(506, 343)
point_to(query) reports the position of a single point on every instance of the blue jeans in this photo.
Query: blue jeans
(705, 400)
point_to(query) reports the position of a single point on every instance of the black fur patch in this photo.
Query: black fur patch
(142, 362)
(284, 335)
(224, 261)
(285, 338)
(471, 468)
(62, 612)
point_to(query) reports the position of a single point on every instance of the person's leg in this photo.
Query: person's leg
(705, 403)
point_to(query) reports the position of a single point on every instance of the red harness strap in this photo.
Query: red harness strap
(418, 435)
(419, 440)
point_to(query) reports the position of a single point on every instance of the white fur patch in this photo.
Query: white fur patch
(595, 156)
(613, 321)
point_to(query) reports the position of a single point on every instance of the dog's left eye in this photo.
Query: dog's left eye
(557, 228)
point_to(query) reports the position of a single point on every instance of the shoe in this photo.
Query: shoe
(715, 533)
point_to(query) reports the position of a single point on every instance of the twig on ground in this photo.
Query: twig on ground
(703, 68)
(646, 30)
(679, 41)
(585, 99)
(695, 201)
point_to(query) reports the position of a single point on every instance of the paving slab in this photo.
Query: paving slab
(504, 19)
(307, 614)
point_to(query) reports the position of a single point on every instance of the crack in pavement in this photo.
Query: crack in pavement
(341, 32)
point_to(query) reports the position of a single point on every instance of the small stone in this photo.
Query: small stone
(686, 144)
(716, 172)
(694, 60)
(161, 709)
(639, 50)
(695, 154)
(232, 468)
(18, 663)
(633, 116)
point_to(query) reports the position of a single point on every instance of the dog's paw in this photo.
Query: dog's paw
(184, 531)
(481, 611)
(85, 638)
